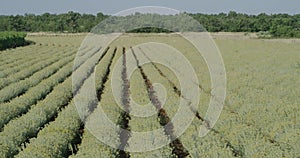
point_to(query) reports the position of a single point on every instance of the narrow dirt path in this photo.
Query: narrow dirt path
(164, 120)
(124, 117)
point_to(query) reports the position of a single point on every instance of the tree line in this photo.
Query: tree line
(274, 25)
(66, 22)
(277, 25)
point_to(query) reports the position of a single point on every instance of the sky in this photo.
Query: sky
(13, 7)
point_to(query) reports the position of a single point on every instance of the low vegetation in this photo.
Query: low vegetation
(39, 117)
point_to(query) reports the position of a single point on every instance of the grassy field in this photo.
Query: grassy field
(38, 116)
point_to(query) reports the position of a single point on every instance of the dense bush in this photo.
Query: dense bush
(12, 39)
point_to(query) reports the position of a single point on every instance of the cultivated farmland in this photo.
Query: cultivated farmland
(38, 116)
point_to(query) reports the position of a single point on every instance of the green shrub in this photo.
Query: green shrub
(12, 39)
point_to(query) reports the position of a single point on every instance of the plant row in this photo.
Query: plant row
(90, 145)
(25, 61)
(21, 104)
(31, 70)
(16, 89)
(224, 142)
(28, 125)
(60, 137)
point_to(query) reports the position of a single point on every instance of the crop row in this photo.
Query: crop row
(28, 72)
(178, 149)
(124, 116)
(21, 55)
(16, 89)
(173, 85)
(21, 104)
(65, 129)
(90, 145)
(25, 62)
(28, 125)
(221, 145)
(223, 141)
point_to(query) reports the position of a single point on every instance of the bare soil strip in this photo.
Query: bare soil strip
(175, 88)
(124, 117)
(76, 143)
(235, 152)
(164, 120)
(92, 69)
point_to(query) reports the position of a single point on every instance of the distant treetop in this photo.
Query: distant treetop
(275, 25)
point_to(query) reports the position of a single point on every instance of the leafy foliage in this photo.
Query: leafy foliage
(276, 25)
(12, 39)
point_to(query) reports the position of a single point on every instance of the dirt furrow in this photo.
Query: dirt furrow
(124, 117)
(93, 106)
(231, 111)
(164, 120)
(235, 152)
(175, 88)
